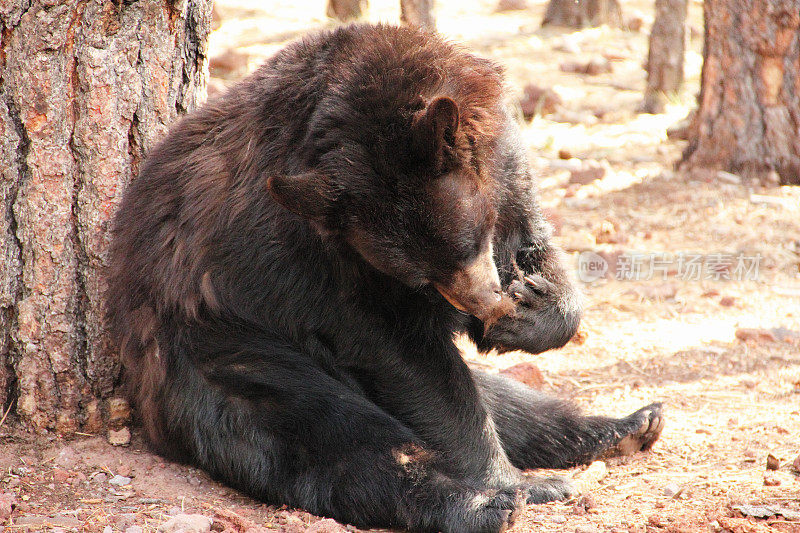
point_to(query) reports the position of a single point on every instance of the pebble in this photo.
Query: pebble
(108, 529)
(558, 519)
(134, 529)
(672, 490)
(7, 504)
(526, 373)
(796, 463)
(120, 481)
(186, 523)
(588, 528)
(60, 475)
(773, 463)
(119, 437)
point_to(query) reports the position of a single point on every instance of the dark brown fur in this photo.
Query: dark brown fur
(276, 281)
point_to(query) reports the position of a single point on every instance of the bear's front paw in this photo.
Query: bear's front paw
(485, 512)
(646, 425)
(550, 489)
(533, 291)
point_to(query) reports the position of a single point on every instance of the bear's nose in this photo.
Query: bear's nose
(475, 289)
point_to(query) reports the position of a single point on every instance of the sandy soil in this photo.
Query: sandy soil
(732, 395)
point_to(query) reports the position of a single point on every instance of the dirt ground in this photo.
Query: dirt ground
(722, 354)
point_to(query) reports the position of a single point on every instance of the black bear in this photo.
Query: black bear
(289, 270)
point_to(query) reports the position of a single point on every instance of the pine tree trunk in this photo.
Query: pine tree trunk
(418, 13)
(86, 87)
(666, 56)
(748, 118)
(346, 9)
(582, 13)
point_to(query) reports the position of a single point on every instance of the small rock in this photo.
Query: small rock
(773, 463)
(538, 100)
(563, 153)
(186, 523)
(587, 528)
(558, 519)
(587, 175)
(108, 529)
(580, 337)
(673, 490)
(526, 373)
(595, 66)
(124, 470)
(174, 511)
(134, 529)
(774, 479)
(120, 481)
(100, 477)
(755, 335)
(511, 5)
(727, 301)
(60, 475)
(119, 437)
(796, 463)
(8, 503)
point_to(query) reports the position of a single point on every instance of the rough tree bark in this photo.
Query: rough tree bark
(748, 118)
(666, 56)
(582, 13)
(418, 13)
(86, 87)
(346, 9)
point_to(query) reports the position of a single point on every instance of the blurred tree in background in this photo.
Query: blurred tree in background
(748, 118)
(583, 13)
(666, 54)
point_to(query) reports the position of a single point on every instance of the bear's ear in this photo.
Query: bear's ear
(434, 130)
(309, 195)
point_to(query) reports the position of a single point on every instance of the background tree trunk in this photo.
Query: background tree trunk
(748, 119)
(582, 13)
(86, 87)
(666, 55)
(418, 13)
(346, 9)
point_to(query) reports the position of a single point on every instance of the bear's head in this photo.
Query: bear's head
(415, 203)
